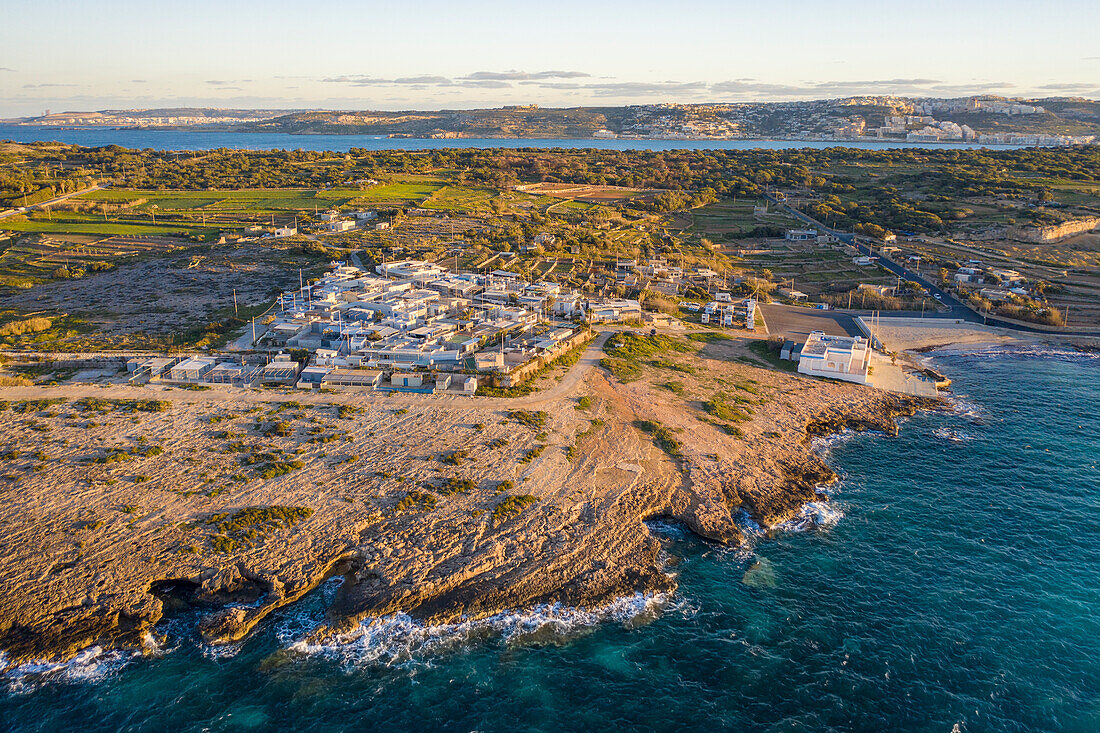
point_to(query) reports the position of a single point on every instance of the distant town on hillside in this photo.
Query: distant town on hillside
(983, 120)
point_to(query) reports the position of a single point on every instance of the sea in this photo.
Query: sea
(209, 140)
(950, 581)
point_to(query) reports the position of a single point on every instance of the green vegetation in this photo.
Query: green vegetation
(101, 405)
(416, 501)
(533, 420)
(454, 485)
(662, 437)
(511, 506)
(532, 453)
(770, 356)
(246, 526)
(708, 337)
(455, 458)
(632, 347)
(719, 406)
(624, 371)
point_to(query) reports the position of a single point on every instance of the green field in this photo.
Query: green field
(261, 201)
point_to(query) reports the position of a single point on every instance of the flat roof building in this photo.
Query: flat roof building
(837, 357)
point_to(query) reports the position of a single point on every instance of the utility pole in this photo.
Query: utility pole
(234, 301)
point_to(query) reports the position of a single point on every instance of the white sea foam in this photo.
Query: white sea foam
(951, 435)
(399, 640)
(813, 515)
(823, 444)
(964, 408)
(91, 665)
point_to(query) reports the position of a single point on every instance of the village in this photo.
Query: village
(413, 326)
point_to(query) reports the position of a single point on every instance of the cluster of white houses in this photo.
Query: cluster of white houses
(410, 326)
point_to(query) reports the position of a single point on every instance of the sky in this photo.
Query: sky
(346, 54)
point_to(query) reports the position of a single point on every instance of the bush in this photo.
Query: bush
(511, 506)
(416, 501)
(532, 454)
(662, 437)
(533, 420)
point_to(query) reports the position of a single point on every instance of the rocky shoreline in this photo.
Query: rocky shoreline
(449, 509)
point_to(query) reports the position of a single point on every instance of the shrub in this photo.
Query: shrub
(511, 506)
(416, 501)
(533, 420)
(532, 454)
(456, 486)
(662, 436)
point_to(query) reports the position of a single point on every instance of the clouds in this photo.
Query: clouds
(581, 84)
(523, 75)
(476, 80)
(5, 68)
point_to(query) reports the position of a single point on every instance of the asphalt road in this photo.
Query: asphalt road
(957, 309)
(51, 202)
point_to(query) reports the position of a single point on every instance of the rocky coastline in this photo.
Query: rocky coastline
(439, 509)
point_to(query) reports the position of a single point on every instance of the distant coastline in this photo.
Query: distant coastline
(161, 138)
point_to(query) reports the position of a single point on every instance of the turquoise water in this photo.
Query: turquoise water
(955, 580)
(209, 140)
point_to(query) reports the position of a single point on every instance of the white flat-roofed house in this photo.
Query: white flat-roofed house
(191, 370)
(227, 373)
(286, 231)
(342, 225)
(360, 378)
(801, 235)
(281, 370)
(837, 357)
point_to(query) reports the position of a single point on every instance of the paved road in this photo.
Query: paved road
(51, 202)
(957, 309)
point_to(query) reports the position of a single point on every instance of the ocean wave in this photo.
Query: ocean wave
(951, 435)
(1036, 351)
(400, 640)
(823, 444)
(813, 515)
(90, 665)
(961, 406)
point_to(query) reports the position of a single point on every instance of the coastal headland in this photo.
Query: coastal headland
(123, 505)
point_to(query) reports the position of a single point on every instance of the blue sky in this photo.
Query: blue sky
(424, 55)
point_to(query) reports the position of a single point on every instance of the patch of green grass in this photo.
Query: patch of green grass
(662, 437)
(771, 357)
(708, 337)
(247, 525)
(631, 346)
(675, 387)
(624, 371)
(455, 458)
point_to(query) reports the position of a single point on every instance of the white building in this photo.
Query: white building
(837, 357)
(343, 225)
